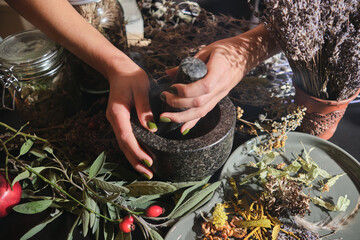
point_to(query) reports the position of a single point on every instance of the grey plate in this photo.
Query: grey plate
(328, 156)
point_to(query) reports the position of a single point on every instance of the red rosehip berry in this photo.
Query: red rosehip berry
(126, 226)
(154, 211)
(8, 197)
(129, 218)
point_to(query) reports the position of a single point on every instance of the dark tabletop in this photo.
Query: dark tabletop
(12, 227)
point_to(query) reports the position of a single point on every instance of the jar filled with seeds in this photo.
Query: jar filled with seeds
(107, 17)
(38, 76)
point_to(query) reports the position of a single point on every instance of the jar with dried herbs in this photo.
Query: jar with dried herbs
(107, 17)
(36, 72)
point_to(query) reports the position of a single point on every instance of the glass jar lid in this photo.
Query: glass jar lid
(28, 53)
(26, 47)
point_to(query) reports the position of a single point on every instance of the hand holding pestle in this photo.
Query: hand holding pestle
(190, 70)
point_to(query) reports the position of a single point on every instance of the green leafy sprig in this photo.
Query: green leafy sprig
(304, 170)
(99, 194)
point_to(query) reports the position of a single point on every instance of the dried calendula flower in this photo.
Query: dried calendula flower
(325, 188)
(219, 217)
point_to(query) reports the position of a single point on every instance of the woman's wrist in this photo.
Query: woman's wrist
(256, 45)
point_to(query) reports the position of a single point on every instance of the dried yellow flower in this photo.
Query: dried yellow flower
(219, 217)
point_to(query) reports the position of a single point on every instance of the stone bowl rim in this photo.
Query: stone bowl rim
(227, 119)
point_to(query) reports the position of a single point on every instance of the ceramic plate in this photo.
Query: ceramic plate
(326, 154)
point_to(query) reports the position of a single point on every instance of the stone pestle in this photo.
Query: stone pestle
(190, 70)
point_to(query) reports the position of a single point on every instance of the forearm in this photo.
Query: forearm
(60, 21)
(256, 46)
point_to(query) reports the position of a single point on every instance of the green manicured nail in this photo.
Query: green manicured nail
(185, 132)
(146, 176)
(146, 162)
(162, 97)
(173, 90)
(165, 119)
(152, 125)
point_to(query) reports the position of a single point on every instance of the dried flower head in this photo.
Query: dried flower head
(285, 197)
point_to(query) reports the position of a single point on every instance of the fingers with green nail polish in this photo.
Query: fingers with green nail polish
(152, 125)
(146, 162)
(162, 97)
(165, 119)
(173, 90)
(185, 132)
(147, 176)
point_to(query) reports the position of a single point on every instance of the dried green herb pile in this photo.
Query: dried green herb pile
(321, 40)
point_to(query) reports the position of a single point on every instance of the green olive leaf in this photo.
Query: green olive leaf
(180, 185)
(91, 204)
(41, 225)
(143, 201)
(202, 202)
(96, 224)
(108, 230)
(108, 167)
(38, 153)
(33, 207)
(149, 188)
(155, 235)
(97, 165)
(85, 217)
(26, 174)
(48, 149)
(190, 203)
(70, 234)
(189, 191)
(123, 236)
(112, 211)
(25, 148)
(110, 187)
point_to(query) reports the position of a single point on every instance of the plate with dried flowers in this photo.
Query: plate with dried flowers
(307, 190)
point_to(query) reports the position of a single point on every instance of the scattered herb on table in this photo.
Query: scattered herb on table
(98, 193)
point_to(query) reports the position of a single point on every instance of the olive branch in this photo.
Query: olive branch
(94, 192)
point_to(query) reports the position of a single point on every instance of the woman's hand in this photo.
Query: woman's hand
(128, 89)
(228, 61)
(129, 84)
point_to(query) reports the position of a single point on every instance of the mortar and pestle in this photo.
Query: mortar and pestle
(199, 153)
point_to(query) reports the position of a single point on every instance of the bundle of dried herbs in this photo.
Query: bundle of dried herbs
(321, 40)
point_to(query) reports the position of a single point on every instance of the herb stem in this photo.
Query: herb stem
(21, 133)
(67, 194)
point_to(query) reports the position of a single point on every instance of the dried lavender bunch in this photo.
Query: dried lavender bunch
(321, 40)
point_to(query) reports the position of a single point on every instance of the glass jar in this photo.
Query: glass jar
(35, 71)
(107, 17)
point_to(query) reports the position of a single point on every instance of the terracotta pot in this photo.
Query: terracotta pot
(322, 116)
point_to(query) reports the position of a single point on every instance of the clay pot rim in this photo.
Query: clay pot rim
(227, 120)
(328, 102)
